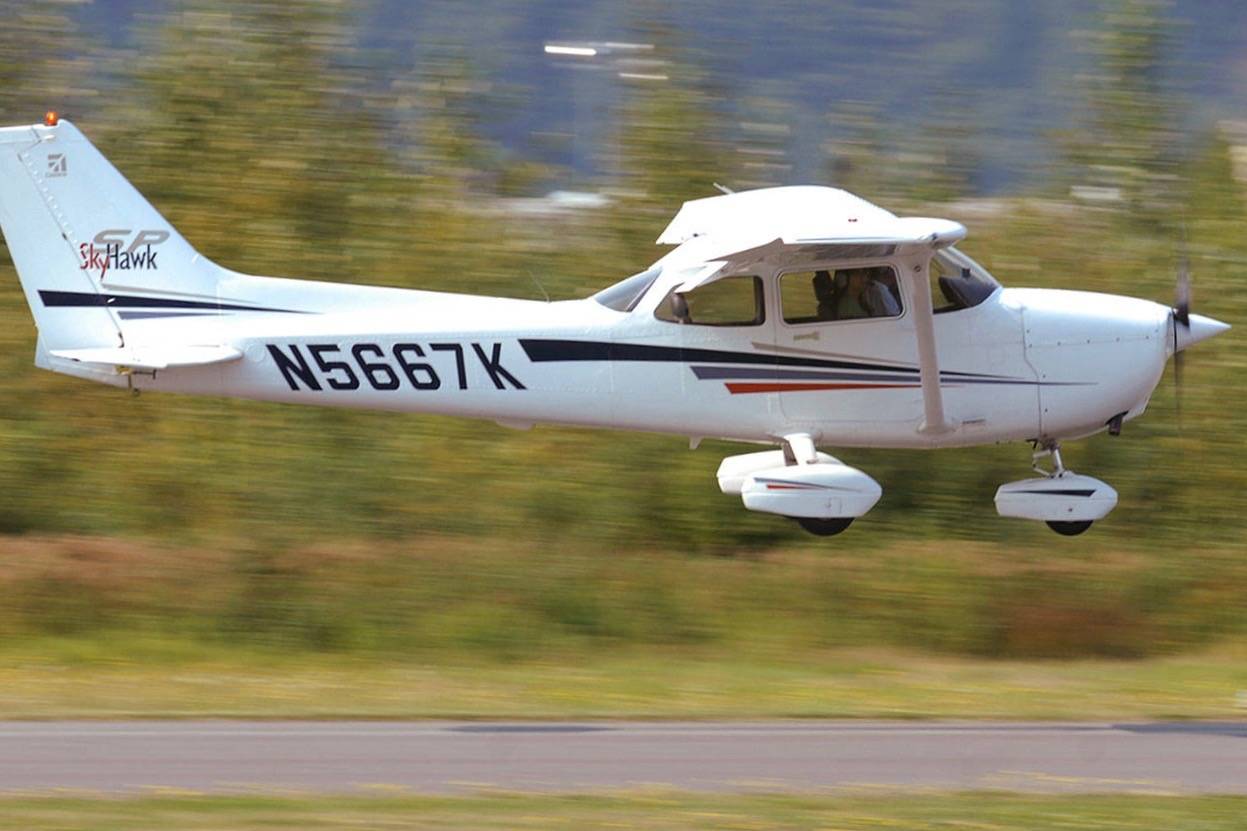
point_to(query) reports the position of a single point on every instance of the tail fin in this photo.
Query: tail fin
(85, 243)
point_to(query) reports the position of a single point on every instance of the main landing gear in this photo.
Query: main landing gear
(822, 494)
(1065, 501)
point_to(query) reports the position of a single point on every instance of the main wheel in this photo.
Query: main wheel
(824, 527)
(1069, 529)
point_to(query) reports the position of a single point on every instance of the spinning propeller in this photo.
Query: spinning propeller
(1181, 318)
(1188, 329)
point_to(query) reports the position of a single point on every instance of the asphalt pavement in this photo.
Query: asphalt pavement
(448, 757)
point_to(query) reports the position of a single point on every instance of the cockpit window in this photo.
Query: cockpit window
(958, 282)
(624, 295)
(730, 301)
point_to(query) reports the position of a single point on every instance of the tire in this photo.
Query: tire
(827, 527)
(1070, 529)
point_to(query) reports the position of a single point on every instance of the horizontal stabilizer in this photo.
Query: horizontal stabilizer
(149, 357)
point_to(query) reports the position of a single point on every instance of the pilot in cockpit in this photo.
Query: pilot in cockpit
(854, 293)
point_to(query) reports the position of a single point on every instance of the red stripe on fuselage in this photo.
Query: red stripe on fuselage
(742, 387)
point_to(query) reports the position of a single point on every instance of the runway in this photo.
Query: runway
(448, 757)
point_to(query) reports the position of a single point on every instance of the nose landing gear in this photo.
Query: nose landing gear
(1066, 501)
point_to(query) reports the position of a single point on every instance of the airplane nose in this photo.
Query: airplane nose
(1196, 329)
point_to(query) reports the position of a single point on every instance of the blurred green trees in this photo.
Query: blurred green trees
(261, 131)
(1130, 142)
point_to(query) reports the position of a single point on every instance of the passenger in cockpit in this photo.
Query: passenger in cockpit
(825, 295)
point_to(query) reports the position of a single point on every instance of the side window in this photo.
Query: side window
(732, 301)
(844, 294)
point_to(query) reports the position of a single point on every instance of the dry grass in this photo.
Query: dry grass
(171, 681)
(645, 810)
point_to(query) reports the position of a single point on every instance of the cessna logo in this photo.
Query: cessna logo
(121, 249)
(57, 165)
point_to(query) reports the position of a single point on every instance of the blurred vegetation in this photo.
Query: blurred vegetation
(643, 809)
(525, 599)
(264, 134)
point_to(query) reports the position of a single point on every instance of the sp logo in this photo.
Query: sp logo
(120, 236)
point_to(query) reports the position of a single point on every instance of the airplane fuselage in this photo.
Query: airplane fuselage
(1024, 364)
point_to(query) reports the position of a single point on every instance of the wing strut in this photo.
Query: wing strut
(934, 421)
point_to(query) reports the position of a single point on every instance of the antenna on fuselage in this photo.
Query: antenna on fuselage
(538, 282)
(724, 189)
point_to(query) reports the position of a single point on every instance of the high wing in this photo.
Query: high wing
(772, 212)
(792, 226)
(787, 228)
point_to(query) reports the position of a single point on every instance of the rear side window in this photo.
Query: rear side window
(731, 301)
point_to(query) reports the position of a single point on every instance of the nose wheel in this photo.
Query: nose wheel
(1065, 501)
(1069, 529)
(1064, 527)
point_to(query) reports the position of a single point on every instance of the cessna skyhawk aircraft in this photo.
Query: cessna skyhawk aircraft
(793, 317)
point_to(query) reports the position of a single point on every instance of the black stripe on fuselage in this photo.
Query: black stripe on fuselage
(1058, 492)
(83, 299)
(540, 350)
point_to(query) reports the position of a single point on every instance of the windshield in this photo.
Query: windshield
(957, 261)
(624, 295)
(961, 281)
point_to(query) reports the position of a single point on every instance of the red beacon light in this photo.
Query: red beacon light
(51, 118)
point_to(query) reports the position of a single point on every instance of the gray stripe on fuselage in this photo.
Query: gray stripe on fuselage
(707, 373)
(148, 315)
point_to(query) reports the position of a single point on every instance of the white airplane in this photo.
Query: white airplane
(790, 317)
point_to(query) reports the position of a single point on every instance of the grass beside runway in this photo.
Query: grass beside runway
(647, 810)
(455, 598)
(444, 627)
(157, 678)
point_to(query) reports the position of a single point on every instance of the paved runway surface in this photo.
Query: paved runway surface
(446, 757)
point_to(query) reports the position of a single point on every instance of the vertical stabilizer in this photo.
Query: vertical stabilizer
(85, 243)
